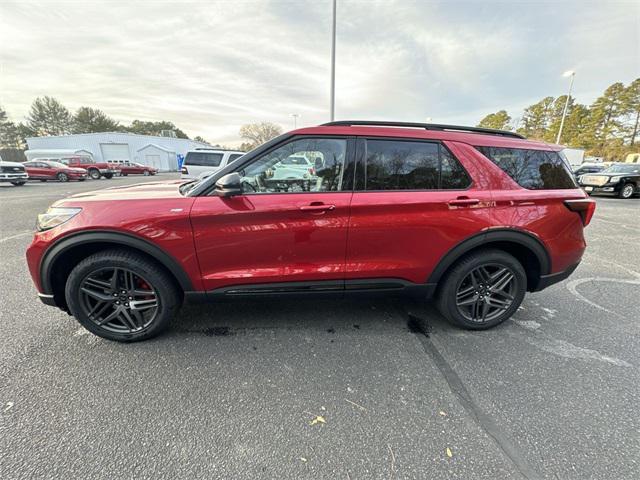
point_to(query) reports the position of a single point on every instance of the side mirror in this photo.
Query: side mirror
(229, 185)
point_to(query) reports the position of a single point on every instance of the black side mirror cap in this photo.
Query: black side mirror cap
(229, 185)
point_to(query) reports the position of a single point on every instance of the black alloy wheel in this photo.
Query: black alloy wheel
(118, 300)
(122, 296)
(482, 290)
(486, 292)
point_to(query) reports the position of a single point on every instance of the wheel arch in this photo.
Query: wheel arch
(59, 260)
(527, 249)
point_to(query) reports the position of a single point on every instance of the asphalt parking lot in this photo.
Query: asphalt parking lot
(352, 389)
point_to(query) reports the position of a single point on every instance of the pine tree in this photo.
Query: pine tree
(92, 120)
(48, 117)
(632, 110)
(499, 121)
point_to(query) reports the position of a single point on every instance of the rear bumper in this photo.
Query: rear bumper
(552, 278)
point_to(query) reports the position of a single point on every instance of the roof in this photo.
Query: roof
(164, 149)
(118, 133)
(453, 133)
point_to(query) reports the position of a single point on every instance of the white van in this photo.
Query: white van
(206, 161)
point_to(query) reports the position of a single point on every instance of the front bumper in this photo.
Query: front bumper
(606, 188)
(12, 177)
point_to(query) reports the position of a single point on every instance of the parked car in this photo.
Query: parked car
(133, 168)
(205, 160)
(13, 172)
(621, 179)
(472, 217)
(94, 169)
(589, 168)
(46, 170)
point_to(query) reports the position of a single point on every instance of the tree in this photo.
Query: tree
(258, 133)
(632, 110)
(92, 120)
(153, 128)
(198, 138)
(536, 119)
(499, 121)
(9, 132)
(48, 117)
(605, 116)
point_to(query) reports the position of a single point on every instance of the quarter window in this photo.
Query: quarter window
(304, 165)
(402, 165)
(532, 169)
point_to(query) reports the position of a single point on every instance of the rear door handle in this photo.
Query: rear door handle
(464, 202)
(317, 208)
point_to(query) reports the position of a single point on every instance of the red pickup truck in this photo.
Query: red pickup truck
(94, 169)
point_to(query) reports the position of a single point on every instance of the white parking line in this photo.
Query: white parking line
(2, 240)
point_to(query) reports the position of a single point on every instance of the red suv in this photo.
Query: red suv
(470, 216)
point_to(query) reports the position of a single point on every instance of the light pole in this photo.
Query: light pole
(295, 120)
(333, 65)
(571, 74)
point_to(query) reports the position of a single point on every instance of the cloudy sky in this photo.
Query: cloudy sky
(212, 66)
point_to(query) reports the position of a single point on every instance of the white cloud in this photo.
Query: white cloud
(211, 67)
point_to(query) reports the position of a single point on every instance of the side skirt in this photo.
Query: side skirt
(326, 287)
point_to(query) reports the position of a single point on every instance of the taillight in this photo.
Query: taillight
(583, 207)
(184, 171)
(312, 171)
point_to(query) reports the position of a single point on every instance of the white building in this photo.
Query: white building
(159, 152)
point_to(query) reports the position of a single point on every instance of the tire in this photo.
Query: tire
(627, 191)
(81, 179)
(43, 180)
(108, 176)
(94, 173)
(18, 184)
(90, 296)
(124, 174)
(146, 173)
(485, 304)
(62, 177)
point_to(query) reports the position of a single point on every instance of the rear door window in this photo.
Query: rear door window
(203, 159)
(234, 156)
(532, 169)
(410, 165)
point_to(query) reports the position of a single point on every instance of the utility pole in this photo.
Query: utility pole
(333, 65)
(571, 74)
(295, 120)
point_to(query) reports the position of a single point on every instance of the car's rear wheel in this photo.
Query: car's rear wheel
(626, 191)
(94, 173)
(63, 177)
(482, 290)
(121, 296)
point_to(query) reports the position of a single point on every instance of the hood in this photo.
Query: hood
(139, 191)
(10, 164)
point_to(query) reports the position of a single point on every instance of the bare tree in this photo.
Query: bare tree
(258, 133)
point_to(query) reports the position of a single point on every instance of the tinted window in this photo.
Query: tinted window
(203, 159)
(234, 156)
(269, 174)
(400, 165)
(532, 169)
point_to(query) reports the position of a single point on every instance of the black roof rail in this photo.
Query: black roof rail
(426, 126)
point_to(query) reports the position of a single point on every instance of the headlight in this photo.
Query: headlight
(55, 216)
(614, 179)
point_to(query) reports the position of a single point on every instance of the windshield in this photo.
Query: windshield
(623, 169)
(57, 164)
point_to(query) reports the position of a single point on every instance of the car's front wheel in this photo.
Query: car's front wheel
(626, 191)
(63, 177)
(121, 296)
(482, 290)
(146, 173)
(94, 173)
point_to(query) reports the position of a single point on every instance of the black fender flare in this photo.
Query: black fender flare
(520, 237)
(116, 239)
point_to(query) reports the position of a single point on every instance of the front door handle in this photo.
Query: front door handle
(317, 208)
(464, 202)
